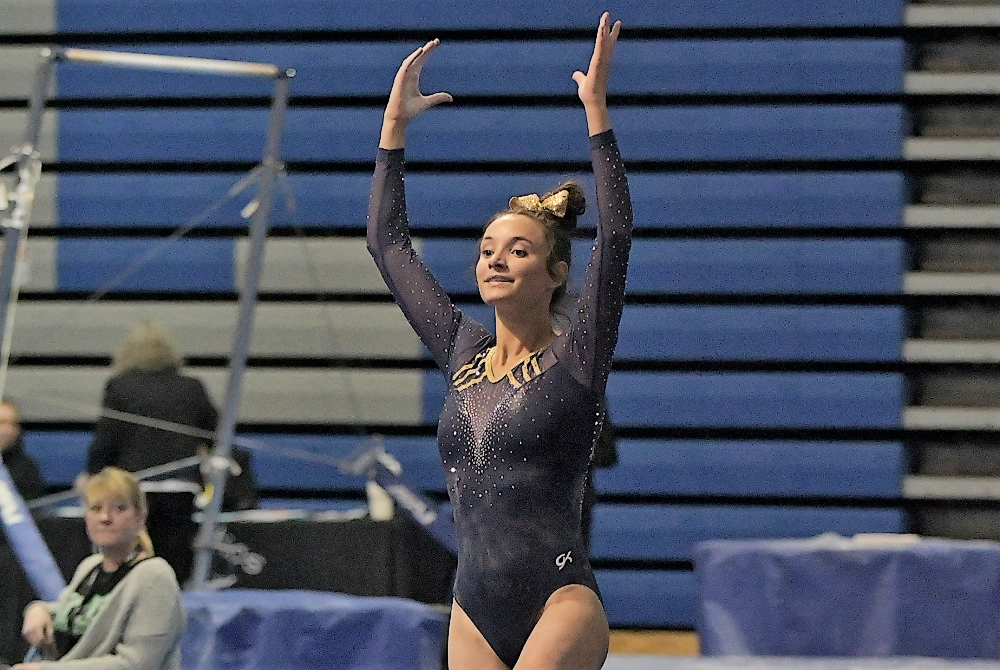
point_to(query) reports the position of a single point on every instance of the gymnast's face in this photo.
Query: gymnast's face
(512, 269)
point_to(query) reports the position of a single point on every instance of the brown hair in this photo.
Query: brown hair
(119, 482)
(558, 229)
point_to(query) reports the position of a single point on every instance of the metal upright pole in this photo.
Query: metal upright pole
(248, 299)
(15, 227)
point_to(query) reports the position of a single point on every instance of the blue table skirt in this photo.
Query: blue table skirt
(652, 662)
(836, 596)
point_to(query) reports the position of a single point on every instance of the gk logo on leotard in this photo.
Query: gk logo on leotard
(563, 559)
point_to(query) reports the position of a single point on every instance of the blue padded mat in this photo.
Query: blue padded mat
(243, 629)
(653, 662)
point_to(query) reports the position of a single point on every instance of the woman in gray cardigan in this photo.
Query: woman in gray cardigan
(122, 609)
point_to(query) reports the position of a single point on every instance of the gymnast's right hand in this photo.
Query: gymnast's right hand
(406, 102)
(37, 628)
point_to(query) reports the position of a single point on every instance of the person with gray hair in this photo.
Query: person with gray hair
(145, 394)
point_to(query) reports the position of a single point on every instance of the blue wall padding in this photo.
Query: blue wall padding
(111, 16)
(145, 265)
(467, 200)
(642, 66)
(795, 468)
(669, 532)
(707, 133)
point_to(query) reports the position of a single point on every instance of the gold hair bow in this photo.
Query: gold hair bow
(554, 204)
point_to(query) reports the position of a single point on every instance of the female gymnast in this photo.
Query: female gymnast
(524, 406)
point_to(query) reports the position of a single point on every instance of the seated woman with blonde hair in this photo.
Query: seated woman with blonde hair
(122, 609)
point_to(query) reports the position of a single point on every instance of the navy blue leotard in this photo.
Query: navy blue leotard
(515, 448)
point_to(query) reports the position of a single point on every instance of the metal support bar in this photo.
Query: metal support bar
(148, 473)
(29, 169)
(13, 239)
(248, 300)
(15, 227)
(179, 63)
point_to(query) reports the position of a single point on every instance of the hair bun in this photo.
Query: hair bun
(576, 203)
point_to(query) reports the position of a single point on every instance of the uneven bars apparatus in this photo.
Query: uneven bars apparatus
(15, 230)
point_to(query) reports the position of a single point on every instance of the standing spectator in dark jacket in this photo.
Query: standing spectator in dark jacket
(22, 468)
(158, 403)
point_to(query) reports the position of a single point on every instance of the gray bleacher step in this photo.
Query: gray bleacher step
(951, 83)
(935, 487)
(931, 16)
(945, 148)
(26, 17)
(951, 283)
(938, 216)
(205, 328)
(272, 395)
(951, 418)
(951, 351)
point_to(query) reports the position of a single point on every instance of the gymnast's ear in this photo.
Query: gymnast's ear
(559, 273)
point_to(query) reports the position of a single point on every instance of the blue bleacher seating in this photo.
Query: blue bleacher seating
(760, 333)
(753, 468)
(637, 598)
(798, 128)
(278, 459)
(467, 68)
(668, 532)
(146, 265)
(465, 201)
(734, 266)
(279, 469)
(750, 332)
(757, 400)
(739, 399)
(61, 454)
(108, 16)
(731, 266)
(710, 133)
(661, 467)
(768, 199)
(756, 266)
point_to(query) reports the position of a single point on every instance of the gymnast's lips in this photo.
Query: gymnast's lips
(498, 279)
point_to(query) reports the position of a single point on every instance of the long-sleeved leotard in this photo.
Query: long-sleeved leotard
(515, 448)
